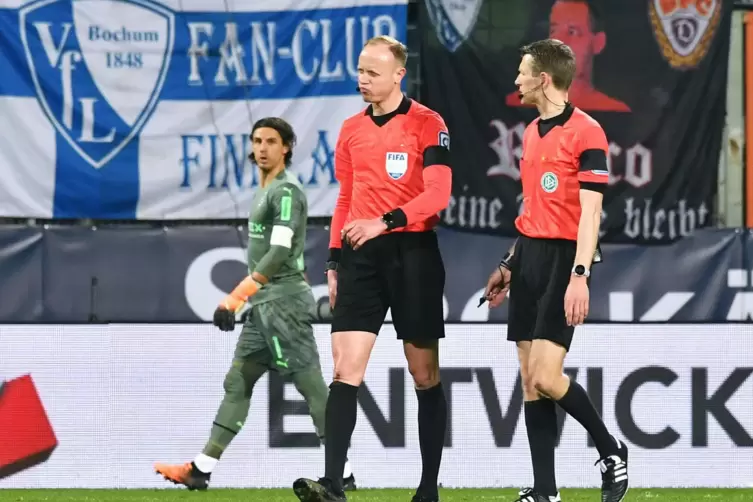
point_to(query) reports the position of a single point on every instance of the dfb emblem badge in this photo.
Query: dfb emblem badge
(685, 28)
(453, 20)
(549, 182)
(98, 67)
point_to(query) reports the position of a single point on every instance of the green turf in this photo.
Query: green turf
(464, 495)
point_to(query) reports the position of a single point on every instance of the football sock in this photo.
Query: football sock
(578, 405)
(205, 463)
(347, 472)
(342, 410)
(432, 423)
(541, 425)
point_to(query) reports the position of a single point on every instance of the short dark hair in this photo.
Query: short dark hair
(553, 57)
(285, 131)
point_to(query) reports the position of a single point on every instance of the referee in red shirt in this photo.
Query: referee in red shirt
(392, 162)
(564, 173)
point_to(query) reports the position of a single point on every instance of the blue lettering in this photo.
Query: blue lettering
(213, 165)
(232, 161)
(239, 163)
(323, 158)
(189, 160)
(121, 34)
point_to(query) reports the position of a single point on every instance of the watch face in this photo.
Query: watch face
(580, 270)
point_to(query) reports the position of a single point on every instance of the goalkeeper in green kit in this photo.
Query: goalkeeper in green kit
(277, 334)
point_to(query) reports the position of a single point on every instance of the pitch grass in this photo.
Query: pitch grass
(446, 495)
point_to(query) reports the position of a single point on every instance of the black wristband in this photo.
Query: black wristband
(505, 263)
(395, 219)
(334, 254)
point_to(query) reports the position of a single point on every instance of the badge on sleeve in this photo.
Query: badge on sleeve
(444, 139)
(396, 164)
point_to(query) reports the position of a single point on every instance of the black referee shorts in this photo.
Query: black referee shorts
(401, 271)
(541, 270)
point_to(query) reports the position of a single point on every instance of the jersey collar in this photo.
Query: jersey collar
(546, 125)
(380, 120)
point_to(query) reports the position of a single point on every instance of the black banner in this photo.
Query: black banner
(653, 73)
(65, 274)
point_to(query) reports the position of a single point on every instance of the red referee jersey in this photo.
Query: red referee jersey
(394, 162)
(561, 156)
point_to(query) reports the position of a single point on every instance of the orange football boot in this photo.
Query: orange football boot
(184, 474)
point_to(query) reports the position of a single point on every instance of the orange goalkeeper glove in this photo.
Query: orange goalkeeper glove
(224, 316)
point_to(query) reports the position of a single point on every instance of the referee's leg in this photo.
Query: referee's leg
(552, 338)
(417, 302)
(359, 311)
(539, 411)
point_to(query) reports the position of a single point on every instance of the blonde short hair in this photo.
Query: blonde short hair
(397, 48)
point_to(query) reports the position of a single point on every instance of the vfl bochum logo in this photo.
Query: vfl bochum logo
(98, 67)
(453, 20)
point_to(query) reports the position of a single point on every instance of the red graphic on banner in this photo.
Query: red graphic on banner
(26, 435)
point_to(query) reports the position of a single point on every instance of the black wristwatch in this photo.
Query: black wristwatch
(581, 271)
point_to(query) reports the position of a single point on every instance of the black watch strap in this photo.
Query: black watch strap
(505, 263)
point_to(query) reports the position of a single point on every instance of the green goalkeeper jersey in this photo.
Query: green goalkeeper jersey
(277, 237)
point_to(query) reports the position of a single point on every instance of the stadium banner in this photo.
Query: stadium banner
(652, 72)
(61, 274)
(120, 397)
(142, 109)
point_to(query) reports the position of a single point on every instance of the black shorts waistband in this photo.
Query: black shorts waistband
(564, 243)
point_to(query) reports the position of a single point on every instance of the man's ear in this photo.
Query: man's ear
(598, 42)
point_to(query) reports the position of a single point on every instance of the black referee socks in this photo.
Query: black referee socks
(340, 418)
(579, 406)
(541, 425)
(432, 424)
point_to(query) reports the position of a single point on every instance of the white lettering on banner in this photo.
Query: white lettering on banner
(641, 220)
(67, 63)
(658, 224)
(678, 395)
(742, 306)
(255, 62)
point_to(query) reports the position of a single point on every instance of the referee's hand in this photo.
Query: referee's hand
(497, 287)
(576, 301)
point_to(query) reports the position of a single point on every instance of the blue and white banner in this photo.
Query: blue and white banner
(141, 109)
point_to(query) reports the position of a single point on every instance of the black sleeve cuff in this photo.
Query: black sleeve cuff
(395, 219)
(334, 254)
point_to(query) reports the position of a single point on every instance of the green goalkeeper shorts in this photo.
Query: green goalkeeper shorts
(278, 333)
